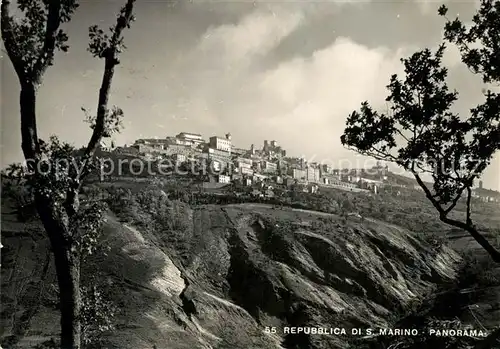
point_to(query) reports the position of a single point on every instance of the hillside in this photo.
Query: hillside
(224, 274)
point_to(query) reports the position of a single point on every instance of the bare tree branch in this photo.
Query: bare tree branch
(111, 61)
(49, 45)
(10, 41)
(454, 202)
(428, 193)
(402, 135)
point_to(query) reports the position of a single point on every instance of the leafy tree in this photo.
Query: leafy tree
(54, 170)
(422, 134)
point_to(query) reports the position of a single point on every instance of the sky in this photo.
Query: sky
(289, 71)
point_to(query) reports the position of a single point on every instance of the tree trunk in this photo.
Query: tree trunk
(27, 101)
(68, 276)
(481, 240)
(495, 254)
(67, 263)
(55, 222)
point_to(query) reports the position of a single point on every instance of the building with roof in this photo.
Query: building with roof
(298, 174)
(268, 167)
(223, 179)
(312, 174)
(190, 139)
(219, 143)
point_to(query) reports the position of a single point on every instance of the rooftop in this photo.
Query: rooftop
(190, 134)
(152, 140)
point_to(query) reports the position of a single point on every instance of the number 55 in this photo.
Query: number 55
(270, 329)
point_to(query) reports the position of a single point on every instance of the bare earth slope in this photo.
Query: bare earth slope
(236, 270)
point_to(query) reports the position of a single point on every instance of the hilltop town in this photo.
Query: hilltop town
(268, 167)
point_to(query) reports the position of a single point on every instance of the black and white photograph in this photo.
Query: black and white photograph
(250, 174)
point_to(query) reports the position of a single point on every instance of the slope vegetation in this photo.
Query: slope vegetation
(227, 274)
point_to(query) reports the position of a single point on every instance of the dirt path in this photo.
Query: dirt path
(257, 205)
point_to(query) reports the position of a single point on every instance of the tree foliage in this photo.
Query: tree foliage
(479, 42)
(421, 133)
(32, 40)
(98, 313)
(113, 120)
(54, 176)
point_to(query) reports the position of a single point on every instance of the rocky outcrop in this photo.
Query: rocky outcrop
(242, 268)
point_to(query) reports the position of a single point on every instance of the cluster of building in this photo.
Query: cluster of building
(486, 195)
(478, 192)
(265, 166)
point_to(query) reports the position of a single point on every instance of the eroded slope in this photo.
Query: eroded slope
(232, 271)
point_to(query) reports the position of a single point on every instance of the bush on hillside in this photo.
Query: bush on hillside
(140, 209)
(19, 195)
(154, 210)
(479, 270)
(98, 314)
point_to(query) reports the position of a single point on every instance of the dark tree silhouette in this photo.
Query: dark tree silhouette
(422, 134)
(31, 41)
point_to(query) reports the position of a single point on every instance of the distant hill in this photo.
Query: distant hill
(215, 275)
(241, 267)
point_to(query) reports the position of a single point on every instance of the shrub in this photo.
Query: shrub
(97, 316)
(479, 270)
